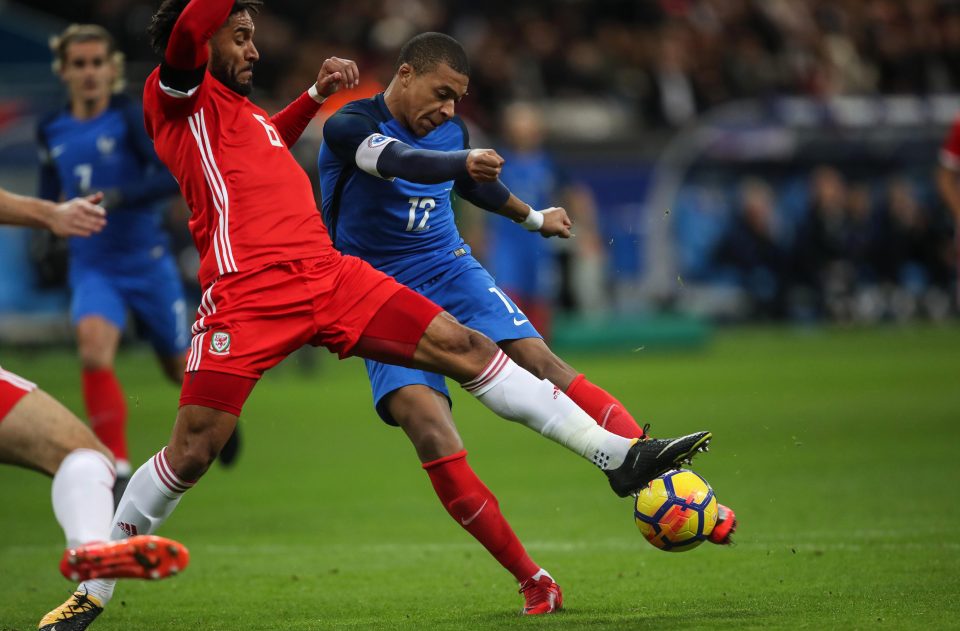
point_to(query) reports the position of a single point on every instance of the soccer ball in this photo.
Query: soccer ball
(676, 511)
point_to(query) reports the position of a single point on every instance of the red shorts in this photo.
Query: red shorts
(250, 321)
(12, 389)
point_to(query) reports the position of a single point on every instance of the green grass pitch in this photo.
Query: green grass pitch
(837, 448)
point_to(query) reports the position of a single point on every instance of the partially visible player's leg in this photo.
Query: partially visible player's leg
(39, 433)
(424, 415)
(447, 347)
(159, 304)
(535, 356)
(97, 341)
(157, 486)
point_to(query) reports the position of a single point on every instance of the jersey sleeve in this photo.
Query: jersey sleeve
(49, 186)
(294, 118)
(356, 140)
(156, 182)
(183, 69)
(491, 196)
(950, 151)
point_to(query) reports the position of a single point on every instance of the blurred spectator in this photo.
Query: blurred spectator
(825, 271)
(753, 249)
(910, 263)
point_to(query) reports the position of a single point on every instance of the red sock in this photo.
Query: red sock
(106, 409)
(603, 408)
(475, 508)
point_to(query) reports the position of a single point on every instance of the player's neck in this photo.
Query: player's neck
(83, 109)
(391, 98)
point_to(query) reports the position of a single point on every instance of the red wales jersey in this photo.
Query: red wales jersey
(251, 203)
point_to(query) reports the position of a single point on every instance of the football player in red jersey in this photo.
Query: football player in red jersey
(37, 432)
(273, 282)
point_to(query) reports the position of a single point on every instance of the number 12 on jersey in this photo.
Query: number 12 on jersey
(425, 204)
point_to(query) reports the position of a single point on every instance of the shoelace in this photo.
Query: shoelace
(646, 431)
(83, 605)
(541, 594)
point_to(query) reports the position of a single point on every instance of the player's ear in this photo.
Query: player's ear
(406, 74)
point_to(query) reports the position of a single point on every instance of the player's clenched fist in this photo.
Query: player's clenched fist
(79, 217)
(336, 73)
(484, 165)
(556, 223)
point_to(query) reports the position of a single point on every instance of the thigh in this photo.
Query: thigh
(386, 379)
(349, 292)
(38, 433)
(156, 300)
(475, 300)
(96, 293)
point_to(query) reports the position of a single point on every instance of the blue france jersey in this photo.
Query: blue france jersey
(516, 257)
(110, 152)
(404, 229)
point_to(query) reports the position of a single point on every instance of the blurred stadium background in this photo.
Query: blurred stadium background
(747, 160)
(767, 163)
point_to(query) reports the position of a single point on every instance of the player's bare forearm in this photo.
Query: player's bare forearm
(549, 222)
(187, 48)
(79, 217)
(950, 190)
(514, 209)
(18, 210)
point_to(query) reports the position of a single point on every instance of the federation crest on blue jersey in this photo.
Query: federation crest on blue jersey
(105, 144)
(220, 343)
(376, 140)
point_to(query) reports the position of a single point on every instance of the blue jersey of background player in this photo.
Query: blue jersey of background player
(98, 143)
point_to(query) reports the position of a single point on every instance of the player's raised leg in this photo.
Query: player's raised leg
(533, 354)
(424, 415)
(409, 329)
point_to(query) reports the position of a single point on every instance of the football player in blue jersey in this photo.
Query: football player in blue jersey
(387, 166)
(536, 272)
(98, 142)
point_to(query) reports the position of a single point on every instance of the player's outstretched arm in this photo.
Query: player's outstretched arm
(78, 217)
(335, 73)
(200, 20)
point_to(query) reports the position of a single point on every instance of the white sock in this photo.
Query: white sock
(152, 494)
(83, 496)
(516, 395)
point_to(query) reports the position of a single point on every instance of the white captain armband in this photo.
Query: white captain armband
(534, 220)
(368, 153)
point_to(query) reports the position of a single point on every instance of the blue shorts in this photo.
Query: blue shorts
(470, 294)
(153, 293)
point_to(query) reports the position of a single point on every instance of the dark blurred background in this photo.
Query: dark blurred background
(726, 159)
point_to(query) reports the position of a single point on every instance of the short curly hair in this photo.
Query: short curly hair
(428, 50)
(161, 24)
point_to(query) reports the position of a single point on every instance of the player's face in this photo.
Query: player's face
(429, 99)
(232, 53)
(88, 71)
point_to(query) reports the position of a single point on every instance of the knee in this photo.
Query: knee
(463, 341)
(192, 459)
(93, 357)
